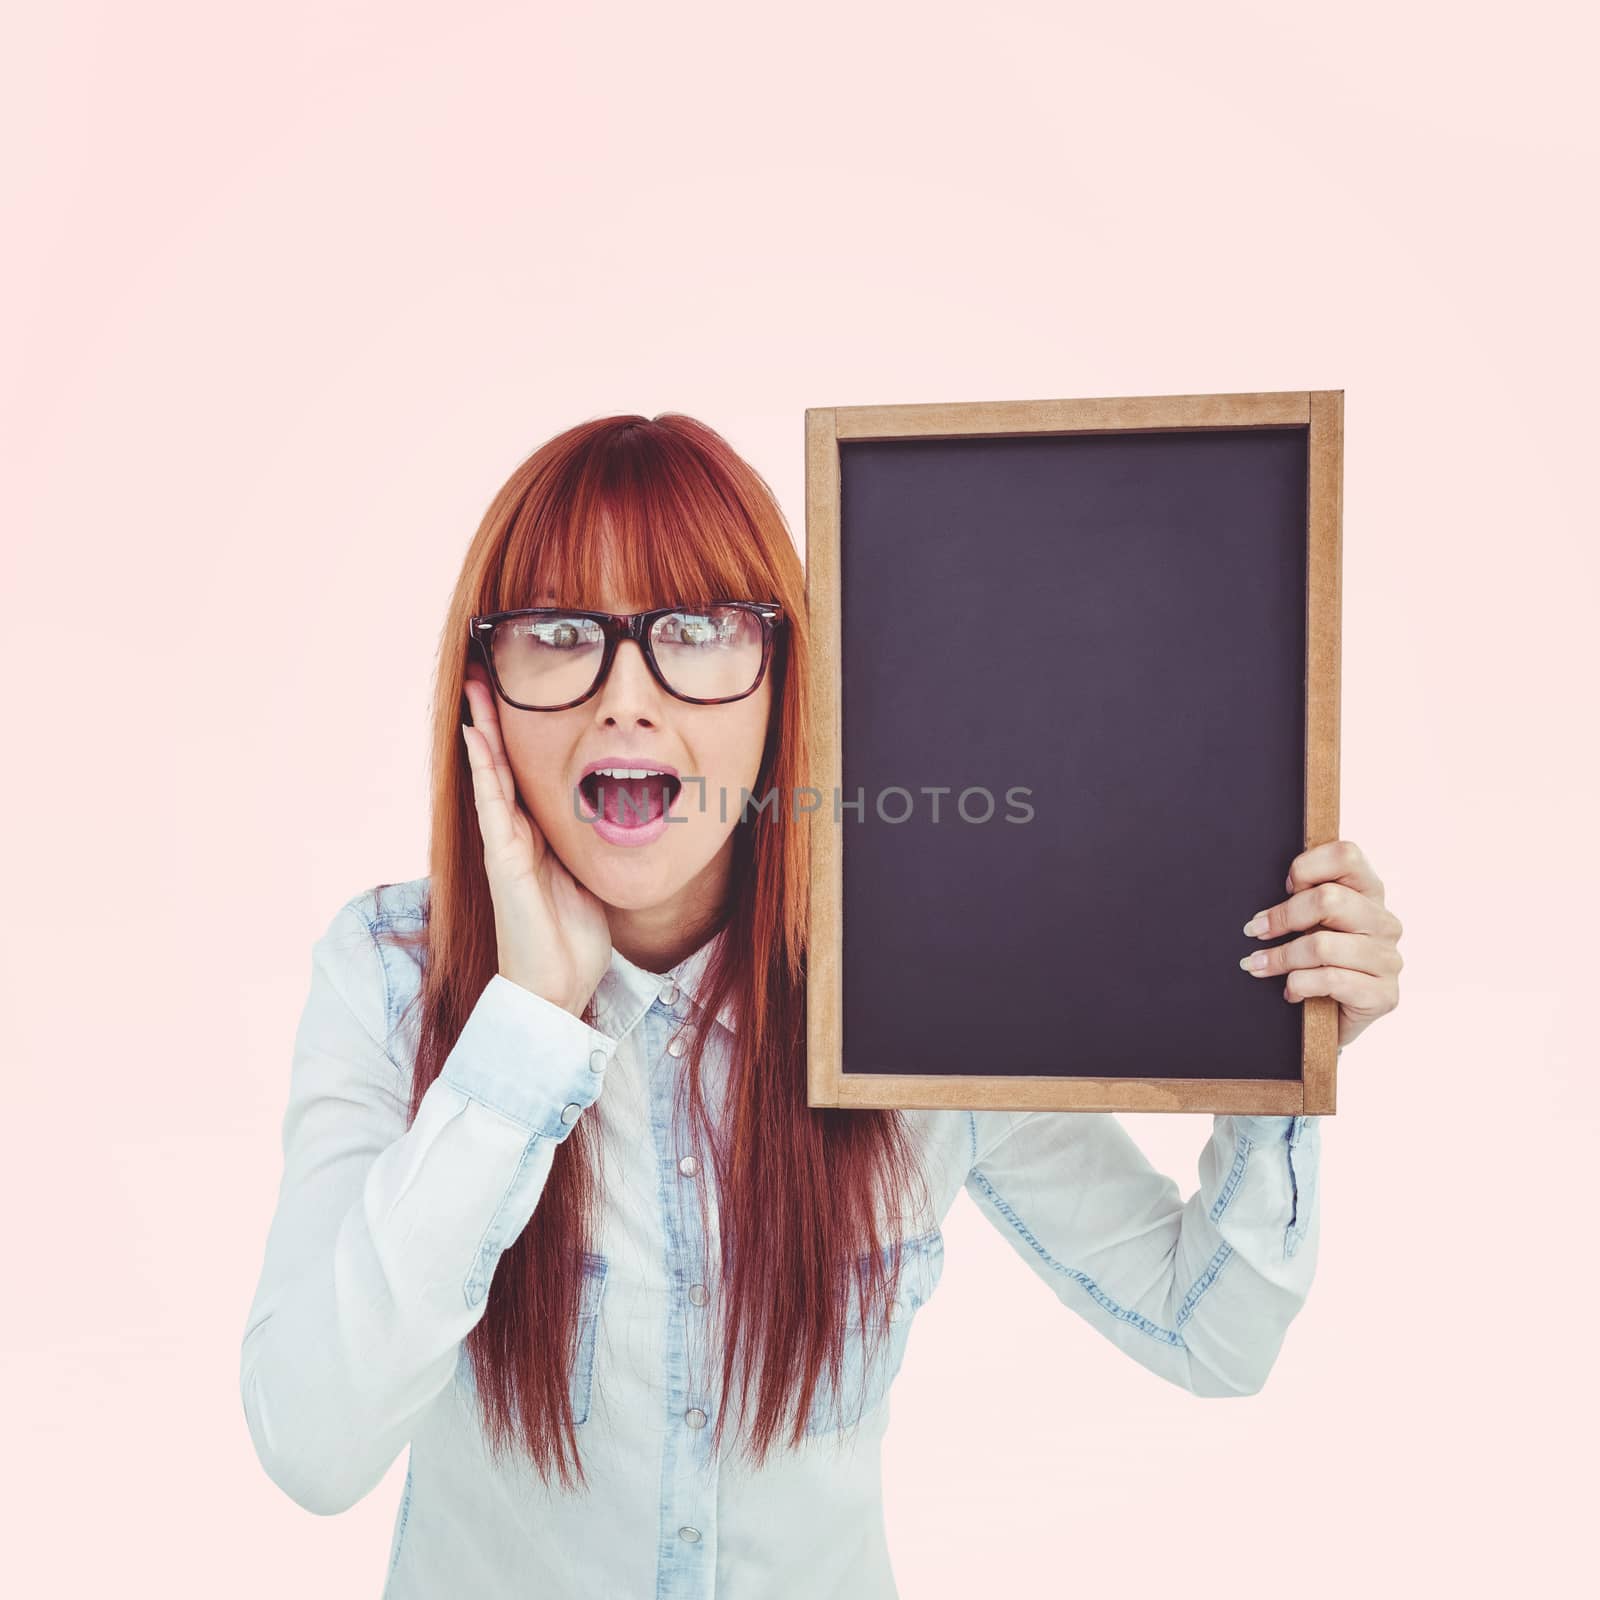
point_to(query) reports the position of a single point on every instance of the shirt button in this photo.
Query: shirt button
(689, 1535)
(597, 1061)
(669, 992)
(569, 1113)
(699, 1294)
(677, 1046)
(688, 1166)
(695, 1417)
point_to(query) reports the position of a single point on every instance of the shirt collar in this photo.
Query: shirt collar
(626, 991)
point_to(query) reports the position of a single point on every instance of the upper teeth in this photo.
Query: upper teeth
(627, 772)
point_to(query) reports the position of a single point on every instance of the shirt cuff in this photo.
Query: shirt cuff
(529, 1059)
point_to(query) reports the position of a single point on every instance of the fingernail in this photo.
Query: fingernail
(1288, 883)
(1254, 963)
(1257, 925)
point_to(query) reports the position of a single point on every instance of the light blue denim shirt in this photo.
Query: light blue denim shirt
(385, 1238)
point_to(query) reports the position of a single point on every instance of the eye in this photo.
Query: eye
(691, 629)
(718, 627)
(556, 635)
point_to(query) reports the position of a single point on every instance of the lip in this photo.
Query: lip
(628, 761)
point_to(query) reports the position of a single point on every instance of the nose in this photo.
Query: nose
(630, 692)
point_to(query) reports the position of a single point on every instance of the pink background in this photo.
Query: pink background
(289, 290)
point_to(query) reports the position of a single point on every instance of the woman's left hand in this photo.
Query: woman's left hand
(1350, 949)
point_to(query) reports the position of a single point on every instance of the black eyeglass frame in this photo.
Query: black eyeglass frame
(618, 626)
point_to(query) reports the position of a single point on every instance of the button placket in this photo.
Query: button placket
(691, 1470)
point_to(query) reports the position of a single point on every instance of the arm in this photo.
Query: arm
(385, 1237)
(1199, 1291)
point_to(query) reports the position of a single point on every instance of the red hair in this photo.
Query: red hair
(801, 1191)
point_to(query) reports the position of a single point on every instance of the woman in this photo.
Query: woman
(554, 1210)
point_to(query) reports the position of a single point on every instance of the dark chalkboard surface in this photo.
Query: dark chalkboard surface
(1076, 713)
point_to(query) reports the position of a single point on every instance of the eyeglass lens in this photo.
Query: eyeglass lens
(550, 660)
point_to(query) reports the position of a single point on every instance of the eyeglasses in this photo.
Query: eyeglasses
(545, 658)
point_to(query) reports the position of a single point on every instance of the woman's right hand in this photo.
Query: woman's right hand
(551, 932)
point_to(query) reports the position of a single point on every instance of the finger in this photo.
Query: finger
(1324, 947)
(1337, 861)
(494, 822)
(486, 719)
(1359, 993)
(1330, 904)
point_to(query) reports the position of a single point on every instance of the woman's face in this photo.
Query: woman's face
(631, 721)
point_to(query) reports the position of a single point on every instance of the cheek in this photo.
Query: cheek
(760, 724)
(737, 750)
(535, 756)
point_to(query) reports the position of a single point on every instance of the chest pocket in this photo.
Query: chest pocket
(591, 1293)
(874, 1351)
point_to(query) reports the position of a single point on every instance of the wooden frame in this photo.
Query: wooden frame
(1321, 412)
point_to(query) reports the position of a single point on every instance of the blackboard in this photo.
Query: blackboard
(1075, 709)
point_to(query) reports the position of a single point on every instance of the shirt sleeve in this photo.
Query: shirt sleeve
(1199, 1291)
(385, 1237)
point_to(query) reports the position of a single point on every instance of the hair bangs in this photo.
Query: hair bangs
(635, 515)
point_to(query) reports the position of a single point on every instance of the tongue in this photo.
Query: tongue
(632, 802)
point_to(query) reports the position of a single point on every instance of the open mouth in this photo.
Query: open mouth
(626, 800)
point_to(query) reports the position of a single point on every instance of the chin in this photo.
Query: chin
(626, 881)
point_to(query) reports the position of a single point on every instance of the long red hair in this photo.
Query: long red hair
(801, 1191)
